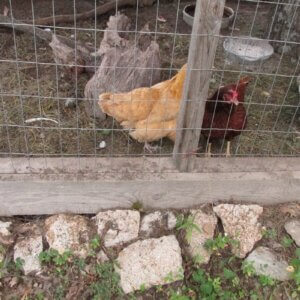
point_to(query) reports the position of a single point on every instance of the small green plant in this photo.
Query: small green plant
(106, 132)
(198, 259)
(9, 267)
(173, 277)
(254, 295)
(137, 205)
(286, 242)
(59, 293)
(265, 280)
(207, 288)
(269, 233)
(236, 282)
(2, 268)
(107, 283)
(143, 288)
(60, 262)
(39, 296)
(80, 263)
(178, 296)
(2, 250)
(95, 244)
(52, 256)
(187, 224)
(228, 274)
(220, 243)
(159, 288)
(248, 269)
(295, 269)
(19, 264)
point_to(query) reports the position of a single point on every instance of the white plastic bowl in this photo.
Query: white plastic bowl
(189, 19)
(248, 49)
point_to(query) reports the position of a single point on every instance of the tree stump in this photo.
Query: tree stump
(125, 64)
(286, 27)
(74, 61)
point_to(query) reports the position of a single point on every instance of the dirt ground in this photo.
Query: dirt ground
(273, 122)
(72, 278)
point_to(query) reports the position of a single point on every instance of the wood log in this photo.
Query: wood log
(12, 23)
(63, 47)
(100, 10)
(125, 64)
(74, 59)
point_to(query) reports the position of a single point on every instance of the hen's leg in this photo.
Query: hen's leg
(208, 152)
(228, 149)
(145, 132)
(149, 148)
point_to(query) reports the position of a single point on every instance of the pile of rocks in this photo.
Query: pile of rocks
(148, 250)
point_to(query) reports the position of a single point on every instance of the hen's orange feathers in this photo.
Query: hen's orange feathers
(150, 113)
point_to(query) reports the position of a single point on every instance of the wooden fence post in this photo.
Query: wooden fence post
(204, 41)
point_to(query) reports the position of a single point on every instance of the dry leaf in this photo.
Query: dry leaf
(74, 290)
(291, 209)
(13, 282)
(6, 240)
(25, 296)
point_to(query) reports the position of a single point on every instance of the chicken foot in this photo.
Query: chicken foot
(149, 148)
(208, 152)
(228, 149)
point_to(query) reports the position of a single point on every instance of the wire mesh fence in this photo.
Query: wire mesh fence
(45, 110)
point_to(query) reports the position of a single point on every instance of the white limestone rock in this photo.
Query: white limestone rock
(292, 227)
(172, 220)
(157, 221)
(4, 228)
(68, 233)
(241, 223)
(150, 262)
(116, 227)
(6, 237)
(28, 250)
(266, 263)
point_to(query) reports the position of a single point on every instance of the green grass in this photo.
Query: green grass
(186, 223)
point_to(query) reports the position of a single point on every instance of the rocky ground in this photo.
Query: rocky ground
(225, 251)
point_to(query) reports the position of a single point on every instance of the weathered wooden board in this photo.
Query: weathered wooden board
(90, 167)
(203, 46)
(53, 185)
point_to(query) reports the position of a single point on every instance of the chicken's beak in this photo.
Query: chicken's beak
(235, 101)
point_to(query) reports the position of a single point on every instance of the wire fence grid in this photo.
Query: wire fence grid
(42, 112)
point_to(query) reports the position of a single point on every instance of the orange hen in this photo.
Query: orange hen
(149, 113)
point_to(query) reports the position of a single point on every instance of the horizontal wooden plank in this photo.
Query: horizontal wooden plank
(89, 167)
(157, 184)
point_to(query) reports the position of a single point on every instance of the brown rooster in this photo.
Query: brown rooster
(225, 115)
(151, 113)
